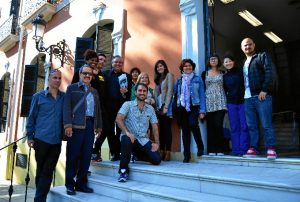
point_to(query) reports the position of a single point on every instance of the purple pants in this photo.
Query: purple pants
(239, 130)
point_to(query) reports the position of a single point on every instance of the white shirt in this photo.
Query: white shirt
(246, 78)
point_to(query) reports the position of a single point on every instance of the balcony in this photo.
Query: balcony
(8, 33)
(34, 7)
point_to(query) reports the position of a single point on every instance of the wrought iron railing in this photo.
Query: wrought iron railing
(10, 26)
(27, 179)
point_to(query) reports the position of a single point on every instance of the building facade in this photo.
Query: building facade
(142, 32)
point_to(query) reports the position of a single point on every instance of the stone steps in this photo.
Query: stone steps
(143, 191)
(58, 194)
(209, 179)
(242, 182)
(279, 163)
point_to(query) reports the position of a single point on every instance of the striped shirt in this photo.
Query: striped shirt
(137, 120)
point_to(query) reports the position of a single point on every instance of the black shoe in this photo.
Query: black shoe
(186, 160)
(199, 153)
(115, 158)
(71, 191)
(84, 189)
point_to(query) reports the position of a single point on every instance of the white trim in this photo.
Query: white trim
(117, 15)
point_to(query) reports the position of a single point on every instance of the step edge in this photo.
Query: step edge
(219, 179)
(137, 189)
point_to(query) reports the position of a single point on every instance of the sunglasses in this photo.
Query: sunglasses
(87, 74)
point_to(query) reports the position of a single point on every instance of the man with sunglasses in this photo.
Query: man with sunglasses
(82, 119)
(44, 128)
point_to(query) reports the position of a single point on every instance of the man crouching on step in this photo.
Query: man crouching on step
(133, 119)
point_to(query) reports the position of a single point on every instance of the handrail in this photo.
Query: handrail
(13, 142)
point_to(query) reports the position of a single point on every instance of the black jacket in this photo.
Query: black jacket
(260, 74)
(233, 82)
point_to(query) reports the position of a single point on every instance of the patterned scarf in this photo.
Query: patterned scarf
(185, 95)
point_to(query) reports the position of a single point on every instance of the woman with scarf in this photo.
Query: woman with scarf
(190, 101)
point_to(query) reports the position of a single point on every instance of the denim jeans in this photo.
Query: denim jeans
(254, 109)
(239, 129)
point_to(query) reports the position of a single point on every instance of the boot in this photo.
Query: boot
(162, 154)
(168, 156)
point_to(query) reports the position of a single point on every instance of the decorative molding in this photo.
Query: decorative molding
(102, 12)
(6, 66)
(187, 7)
(33, 8)
(99, 10)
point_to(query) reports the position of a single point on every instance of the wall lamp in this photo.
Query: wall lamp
(56, 50)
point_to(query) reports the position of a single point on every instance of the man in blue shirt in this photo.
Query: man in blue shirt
(133, 119)
(44, 131)
(82, 120)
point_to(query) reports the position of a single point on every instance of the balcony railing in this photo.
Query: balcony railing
(34, 7)
(9, 33)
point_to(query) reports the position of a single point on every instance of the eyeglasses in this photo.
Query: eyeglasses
(87, 74)
(213, 58)
(52, 71)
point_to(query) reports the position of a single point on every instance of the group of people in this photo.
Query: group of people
(136, 119)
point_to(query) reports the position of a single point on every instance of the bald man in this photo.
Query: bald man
(258, 77)
(44, 128)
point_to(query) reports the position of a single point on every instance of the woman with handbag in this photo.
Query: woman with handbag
(190, 102)
(163, 93)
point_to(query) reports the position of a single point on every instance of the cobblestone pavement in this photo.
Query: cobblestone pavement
(18, 194)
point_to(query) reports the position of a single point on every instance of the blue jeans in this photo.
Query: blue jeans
(239, 129)
(254, 109)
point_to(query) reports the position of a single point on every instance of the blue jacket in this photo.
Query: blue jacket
(75, 92)
(197, 93)
(260, 74)
(233, 82)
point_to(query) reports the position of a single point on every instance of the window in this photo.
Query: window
(4, 97)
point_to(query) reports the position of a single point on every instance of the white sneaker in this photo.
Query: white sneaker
(271, 154)
(220, 154)
(212, 154)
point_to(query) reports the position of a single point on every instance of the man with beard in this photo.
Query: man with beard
(258, 78)
(133, 119)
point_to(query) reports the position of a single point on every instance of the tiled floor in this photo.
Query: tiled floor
(18, 194)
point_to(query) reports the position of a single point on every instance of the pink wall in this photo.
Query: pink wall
(155, 33)
(154, 29)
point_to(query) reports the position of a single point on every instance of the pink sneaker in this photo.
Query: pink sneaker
(271, 154)
(250, 153)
